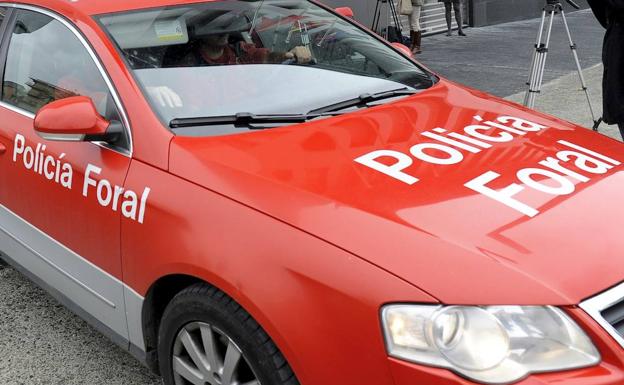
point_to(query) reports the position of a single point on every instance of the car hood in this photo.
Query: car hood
(524, 237)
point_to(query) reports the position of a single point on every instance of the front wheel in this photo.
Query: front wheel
(205, 337)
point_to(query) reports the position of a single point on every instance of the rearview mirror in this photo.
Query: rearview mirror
(74, 119)
(345, 11)
(403, 48)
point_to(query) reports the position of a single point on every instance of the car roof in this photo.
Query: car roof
(95, 7)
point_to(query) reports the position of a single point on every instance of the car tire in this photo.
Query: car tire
(206, 337)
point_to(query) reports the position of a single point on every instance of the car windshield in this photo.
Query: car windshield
(255, 57)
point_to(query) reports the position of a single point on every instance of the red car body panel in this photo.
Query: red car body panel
(90, 8)
(81, 225)
(425, 233)
(313, 243)
(239, 256)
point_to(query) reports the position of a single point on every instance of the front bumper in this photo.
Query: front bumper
(610, 371)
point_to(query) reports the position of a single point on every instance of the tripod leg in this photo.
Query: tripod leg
(538, 76)
(538, 44)
(388, 23)
(395, 16)
(376, 16)
(580, 71)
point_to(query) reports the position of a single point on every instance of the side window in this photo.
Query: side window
(2, 13)
(47, 62)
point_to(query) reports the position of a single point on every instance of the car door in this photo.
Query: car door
(53, 218)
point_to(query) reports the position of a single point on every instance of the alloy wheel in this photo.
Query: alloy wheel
(204, 355)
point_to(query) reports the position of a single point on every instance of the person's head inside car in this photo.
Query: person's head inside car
(226, 39)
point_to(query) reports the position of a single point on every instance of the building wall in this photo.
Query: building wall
(363, 9)
(488, 12)
(432, 18)
(481, 12)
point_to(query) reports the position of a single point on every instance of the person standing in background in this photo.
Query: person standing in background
(610, 13)
(457, 6)
(415, 31)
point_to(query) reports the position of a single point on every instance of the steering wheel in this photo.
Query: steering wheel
(290, 61)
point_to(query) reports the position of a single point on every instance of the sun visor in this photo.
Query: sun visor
(147, 31)
(230, 22)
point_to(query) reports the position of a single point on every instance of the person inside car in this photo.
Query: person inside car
(225, 40)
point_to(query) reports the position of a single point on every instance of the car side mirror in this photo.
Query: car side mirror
(403, 48)
(74, 119)
(345, 11)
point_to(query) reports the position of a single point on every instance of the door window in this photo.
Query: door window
(47, 62)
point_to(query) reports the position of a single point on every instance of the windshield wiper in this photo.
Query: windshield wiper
(246, 119)
(363, 100)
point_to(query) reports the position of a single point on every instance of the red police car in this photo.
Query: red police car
(263, 192)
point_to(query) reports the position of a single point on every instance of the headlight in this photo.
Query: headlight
(494, 344)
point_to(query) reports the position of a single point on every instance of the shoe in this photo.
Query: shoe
(449, 33)
(461, 33)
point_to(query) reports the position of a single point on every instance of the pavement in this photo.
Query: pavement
(43, 343)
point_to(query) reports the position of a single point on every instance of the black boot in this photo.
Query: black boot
(417, 45)
(412, 40)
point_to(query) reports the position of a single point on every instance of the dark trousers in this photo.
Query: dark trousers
(456, 4)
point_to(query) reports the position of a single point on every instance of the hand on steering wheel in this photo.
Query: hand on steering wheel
(299, 55)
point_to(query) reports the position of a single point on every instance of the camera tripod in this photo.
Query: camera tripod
(538, 63)
(391, 32)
